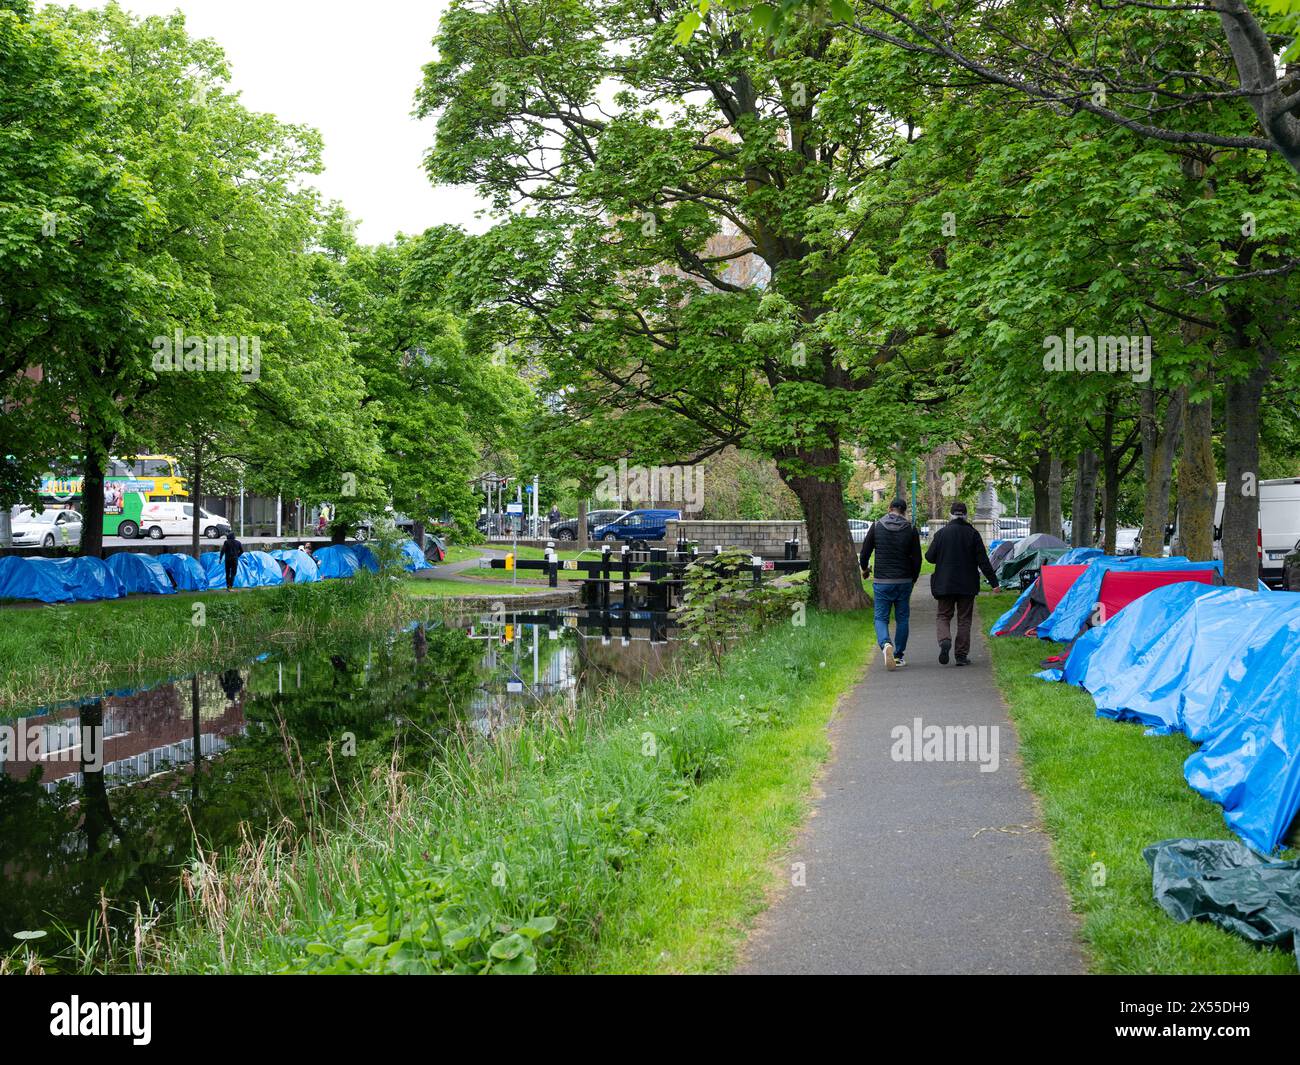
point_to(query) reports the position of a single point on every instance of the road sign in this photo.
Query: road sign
(514, 508)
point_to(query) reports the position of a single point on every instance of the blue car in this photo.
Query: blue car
(639, 527)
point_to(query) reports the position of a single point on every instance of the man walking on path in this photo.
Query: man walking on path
(897, 547)
(230, 552)
(959, 556)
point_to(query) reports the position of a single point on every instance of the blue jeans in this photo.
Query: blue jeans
(899, 596)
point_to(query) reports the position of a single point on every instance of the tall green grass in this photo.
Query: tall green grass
(636, 835)
(1107, 791)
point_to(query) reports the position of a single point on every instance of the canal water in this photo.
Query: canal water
(110, 794)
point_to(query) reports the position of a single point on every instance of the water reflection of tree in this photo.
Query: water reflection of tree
(401, 694)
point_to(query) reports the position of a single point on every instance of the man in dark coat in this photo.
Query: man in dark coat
(230, 552)
(959, 557)
(897, 548)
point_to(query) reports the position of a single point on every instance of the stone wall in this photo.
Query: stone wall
(763, 538)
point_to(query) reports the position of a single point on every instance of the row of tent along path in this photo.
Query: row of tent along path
(1163, 642)
(68, 580)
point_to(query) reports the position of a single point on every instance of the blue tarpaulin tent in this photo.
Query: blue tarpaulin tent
(19, 579)
(413, 558)
(343, 560)
(1076, 555)
(185, 571)
(302, 567)
(140, 573)
(257, 569)
(1223, 666)
(87, 579)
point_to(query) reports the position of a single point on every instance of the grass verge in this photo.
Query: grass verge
(1107, 790)
(635, 836)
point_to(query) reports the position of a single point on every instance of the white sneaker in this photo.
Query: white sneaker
(890, 663)
(899, 662)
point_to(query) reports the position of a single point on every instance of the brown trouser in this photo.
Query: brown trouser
(964, 605)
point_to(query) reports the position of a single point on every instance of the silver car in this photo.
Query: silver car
(858, 529)
(49, 528)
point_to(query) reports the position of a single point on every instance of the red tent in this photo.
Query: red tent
(1052, 583)
(1118, 589)
(1121, 587)
(1057, 580)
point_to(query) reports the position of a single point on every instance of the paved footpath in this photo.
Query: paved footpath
(920, 867)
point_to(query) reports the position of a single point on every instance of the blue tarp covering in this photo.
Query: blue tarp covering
(303, 565)
(1077, 555)
(1072, 612)
(87, 579)
(140, 573)
(58, 580)
(1223, 666)
(185, 571)
(19, 579)
(413, 558)
(343, 560)
(257, 569)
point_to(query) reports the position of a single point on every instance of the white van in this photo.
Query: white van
(158, 520)
(1279, 525)
(164, 519)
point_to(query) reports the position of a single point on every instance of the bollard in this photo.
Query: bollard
(552, 566)
(627, 579)
(757, 563)
(604, 577)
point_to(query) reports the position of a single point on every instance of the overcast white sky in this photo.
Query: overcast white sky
(350, 70)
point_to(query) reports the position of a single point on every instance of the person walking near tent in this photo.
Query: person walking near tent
(959, 556)
(897, 547)
(230, 552)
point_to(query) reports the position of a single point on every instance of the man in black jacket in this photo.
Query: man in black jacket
(959, 556)
(230, 552)
(898, 564)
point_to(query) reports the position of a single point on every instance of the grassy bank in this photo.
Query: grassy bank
(55, 652)
(1107, 791)
(634, 836)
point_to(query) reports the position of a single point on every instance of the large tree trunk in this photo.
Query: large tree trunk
(583, 542)
(835, 577)
(196, 494)
(1040, 475)
(1241, 472)
(1084, 512)
(92, 502)
(1159, 442)
(1110, 459)
(1196, 480)
(1054, 478)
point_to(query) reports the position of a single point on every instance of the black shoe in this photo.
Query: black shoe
(962, 660)
(944, 647)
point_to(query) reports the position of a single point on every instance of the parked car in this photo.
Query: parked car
(858, 529)
(49, 528)
(639, 527)
(1013, 528)
(1128, 541)
(568, 528)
